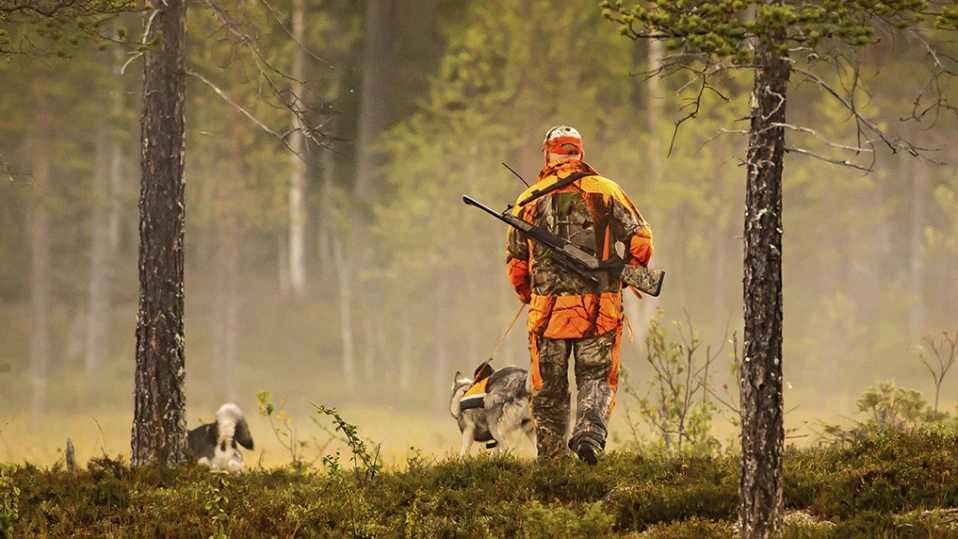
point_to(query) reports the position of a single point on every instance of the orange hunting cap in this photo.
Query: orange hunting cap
(559, 136)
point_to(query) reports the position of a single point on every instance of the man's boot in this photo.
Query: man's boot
(587, 452)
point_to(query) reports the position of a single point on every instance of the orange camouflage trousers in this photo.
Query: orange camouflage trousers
(596, 378)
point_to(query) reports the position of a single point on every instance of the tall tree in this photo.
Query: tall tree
(159, 417)
(762, 403)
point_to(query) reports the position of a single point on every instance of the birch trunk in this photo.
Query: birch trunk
(297, 143)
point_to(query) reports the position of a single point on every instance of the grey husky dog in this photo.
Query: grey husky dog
(495, 415)
(214, 444)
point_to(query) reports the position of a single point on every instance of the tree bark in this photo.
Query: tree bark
(40, 257)
(101, 250)
(762, 412)
(297, 143)
(374, 100)
(159, 415)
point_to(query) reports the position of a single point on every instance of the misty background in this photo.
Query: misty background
(371, 294)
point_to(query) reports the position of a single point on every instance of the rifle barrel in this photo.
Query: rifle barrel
(469, 201)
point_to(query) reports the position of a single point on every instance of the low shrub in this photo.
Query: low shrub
(878, 486)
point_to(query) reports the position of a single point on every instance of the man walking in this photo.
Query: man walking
(568, 315)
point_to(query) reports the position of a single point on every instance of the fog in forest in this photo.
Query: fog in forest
(349, 273)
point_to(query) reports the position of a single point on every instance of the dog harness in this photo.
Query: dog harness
(475, 396)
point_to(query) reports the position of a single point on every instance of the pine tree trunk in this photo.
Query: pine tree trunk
(763, 431)
(297, 143)
(98, 316)
(374, 100)
(40, 262)
(159, 416)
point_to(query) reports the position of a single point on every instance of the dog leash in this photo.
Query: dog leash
(504, 335)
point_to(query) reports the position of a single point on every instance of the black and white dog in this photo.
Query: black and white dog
(214, 444)
(495, 414)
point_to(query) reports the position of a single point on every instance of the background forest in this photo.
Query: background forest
(382, 284)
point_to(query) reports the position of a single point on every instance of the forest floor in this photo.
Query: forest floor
(892, 484)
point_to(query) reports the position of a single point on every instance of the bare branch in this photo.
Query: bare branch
(238, 107)
(893, 145)
(856, 149)
(294, 103)
(697, 101)
(291, 36)
(845, 162)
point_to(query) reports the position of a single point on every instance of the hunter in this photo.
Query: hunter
(568, 315)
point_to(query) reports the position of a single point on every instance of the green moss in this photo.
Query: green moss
(879, 486)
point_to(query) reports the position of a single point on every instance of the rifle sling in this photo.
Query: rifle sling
(564, 182)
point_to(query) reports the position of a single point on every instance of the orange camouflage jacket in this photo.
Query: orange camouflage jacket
(594, 214)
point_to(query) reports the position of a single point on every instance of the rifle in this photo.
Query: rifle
(583, 264)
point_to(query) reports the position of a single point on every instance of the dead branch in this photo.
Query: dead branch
(893, 145)
(293, 103)
(697, 101)
(856, 149)
(842, 162)
(289, 33)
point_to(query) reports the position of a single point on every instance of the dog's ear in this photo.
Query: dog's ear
(457, 377)
(242, 435)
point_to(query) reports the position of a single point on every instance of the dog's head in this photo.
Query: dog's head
(231, 424)
(460, 384)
